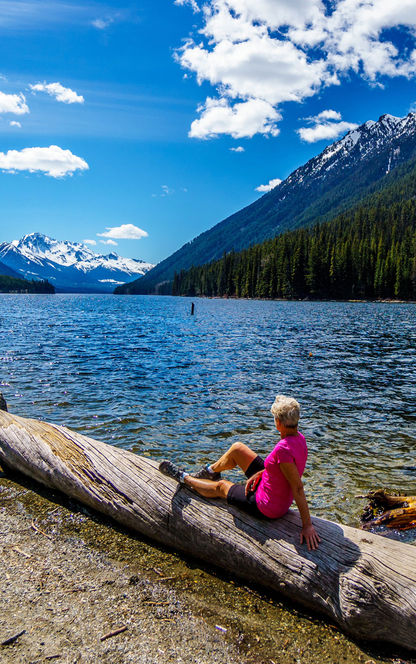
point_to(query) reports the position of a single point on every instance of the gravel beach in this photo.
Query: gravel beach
(71, 577)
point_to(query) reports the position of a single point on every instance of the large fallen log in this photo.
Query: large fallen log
(364, 582)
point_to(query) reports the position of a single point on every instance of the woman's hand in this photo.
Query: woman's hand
(253, 481)
(311, 537)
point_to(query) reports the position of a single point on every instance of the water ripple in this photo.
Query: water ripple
(141, 373)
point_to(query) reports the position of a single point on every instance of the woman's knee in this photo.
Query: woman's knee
(222, 488)
(240, 448)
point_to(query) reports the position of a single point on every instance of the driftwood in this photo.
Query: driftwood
(387, 509)
(363, 582)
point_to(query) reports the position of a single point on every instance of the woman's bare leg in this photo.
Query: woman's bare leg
(237, 455)
(207, 488)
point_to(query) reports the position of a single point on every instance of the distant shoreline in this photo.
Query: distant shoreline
(215, 297)
(274, 299)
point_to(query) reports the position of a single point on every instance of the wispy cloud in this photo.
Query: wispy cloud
(110, 242)
(52, 161)
(191, 3)
(14, 123)
(65, 95)
(124, 232)
(167, 191)
(102, 23)
(29, 15)
(263, 188)
(90, 242)
(33, 14)
(15, 104)
(238, 149)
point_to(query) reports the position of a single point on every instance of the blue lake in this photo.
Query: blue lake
(142, 373)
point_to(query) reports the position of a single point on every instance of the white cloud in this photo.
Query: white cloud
(260, 67)
(102, 23)
(192, 3)
(243, 119)
(53, 161)
(277, 51)
(91, 242)
(327, 125)
(65, 95)
(124, 232)
(328, 114)
(111, 242)
(166, 191)
(325, 131)
(14, 123)
(238, 149)
(354, 37)
(269, 186)
(13, 104)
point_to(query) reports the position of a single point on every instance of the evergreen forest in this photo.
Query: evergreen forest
(366, 253)
(15, 285)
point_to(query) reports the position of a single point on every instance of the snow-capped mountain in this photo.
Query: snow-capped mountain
(69, 266)
(326, 185)
(390, 137)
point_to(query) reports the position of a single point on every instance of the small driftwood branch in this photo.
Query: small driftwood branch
(23, 553)
(13, 638)
(120, 630)
(387, 509)
(39, 530)
(363, 582)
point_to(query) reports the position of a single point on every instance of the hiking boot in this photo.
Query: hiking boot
(172, 470)
(206, 474)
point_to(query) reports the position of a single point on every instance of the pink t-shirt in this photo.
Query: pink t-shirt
(274, 495)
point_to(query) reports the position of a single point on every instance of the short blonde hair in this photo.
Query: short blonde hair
(287, 410)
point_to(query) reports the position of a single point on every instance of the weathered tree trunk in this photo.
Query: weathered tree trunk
(364, 582)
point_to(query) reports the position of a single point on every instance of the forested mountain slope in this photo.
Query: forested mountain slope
(368, 252)
(363, 161)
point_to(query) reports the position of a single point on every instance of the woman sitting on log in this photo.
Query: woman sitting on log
(272, 483)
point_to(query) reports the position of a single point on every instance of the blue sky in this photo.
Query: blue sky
(148, 101)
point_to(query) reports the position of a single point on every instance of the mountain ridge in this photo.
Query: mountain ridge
(323, 187)
(69, 266)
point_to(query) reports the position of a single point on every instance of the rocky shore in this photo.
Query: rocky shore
(71, 578)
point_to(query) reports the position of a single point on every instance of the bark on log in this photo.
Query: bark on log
(364, 582)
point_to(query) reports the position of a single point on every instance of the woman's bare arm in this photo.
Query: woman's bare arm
(308, 532)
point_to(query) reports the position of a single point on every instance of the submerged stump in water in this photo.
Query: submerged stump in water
(387, 509)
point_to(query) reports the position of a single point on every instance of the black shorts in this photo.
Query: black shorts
(237, 493)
